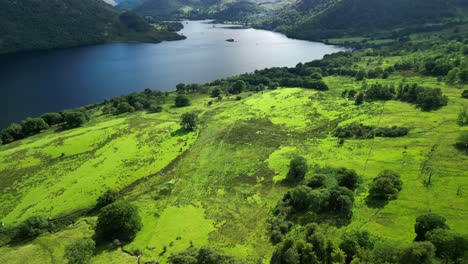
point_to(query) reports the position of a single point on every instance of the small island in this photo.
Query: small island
(230, 40)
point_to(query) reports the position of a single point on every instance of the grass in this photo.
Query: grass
(224, 178)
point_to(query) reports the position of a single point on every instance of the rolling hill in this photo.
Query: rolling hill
(29, 25)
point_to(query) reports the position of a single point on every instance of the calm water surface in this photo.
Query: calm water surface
(38, 82)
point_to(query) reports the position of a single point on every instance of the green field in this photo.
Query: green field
(225, 177)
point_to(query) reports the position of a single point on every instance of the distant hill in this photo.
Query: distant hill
(45, 24)
(318, 19)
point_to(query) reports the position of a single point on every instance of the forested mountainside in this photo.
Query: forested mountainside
(45, 24)
(320, 19)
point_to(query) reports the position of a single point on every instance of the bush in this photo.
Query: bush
(449, 246)
(80, 252)
(391, 132)
(426, 223)
(385, 186)
(188, 121)
(347, 178)
(354, 130)
(464, 94)
(462, 142)
(181, 101)
(119, 220)
(297, 169)
(52, 118)
(108, 197)
(431, 99)
(463, 116)
(74, 118)
(215, 93)
(317, 181)
(154, 108)
(33, 227)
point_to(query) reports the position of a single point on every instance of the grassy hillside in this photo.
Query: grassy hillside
(219, 185)
(30, 24)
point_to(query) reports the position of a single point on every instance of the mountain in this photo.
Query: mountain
(319, 19)
(45, 24)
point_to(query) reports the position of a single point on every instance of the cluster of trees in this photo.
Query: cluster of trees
(148, 100)
(33, 126)
(427, 99)
(434, 243)
(204, 255)
(360, 131)
(386, 186)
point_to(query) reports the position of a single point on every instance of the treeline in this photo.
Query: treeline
(360, 131)
(33, 126)
(427, 99)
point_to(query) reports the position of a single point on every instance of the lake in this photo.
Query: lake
(37, 82)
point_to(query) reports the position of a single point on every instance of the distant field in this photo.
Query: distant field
(224, 178)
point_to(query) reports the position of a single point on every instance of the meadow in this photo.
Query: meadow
(217, 185)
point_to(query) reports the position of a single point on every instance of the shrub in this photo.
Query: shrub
(426, 223)
(188, 121)
(385, 186)
(33, 227)
(119, 220)
(154, 108)
(181, 101)
(215, 93)
(317, 181)
(80, 252)
(462, 142)
(391, 132)
(107, 198)
(464, 94)
(32, 126)
(297, 169)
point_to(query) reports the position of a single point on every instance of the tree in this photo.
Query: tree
(341, 201)
(317, 181)
(107, 198)
(359, 99)
(52, 118)
(463, 75)
(347, 178)
(462, 142)
(464, 94)
(32, 126)
(119, 220)
(449, 246)
(215, 93)
(463, 116)
(181, 101)
(426, 223)
(418, 253)
(74, 118)
(238, 87)
(431, 99)
(32, 227)
(297, 169)
(124, 107)
(80, 251)
(385, 186)
(188, 121)
(13, 131)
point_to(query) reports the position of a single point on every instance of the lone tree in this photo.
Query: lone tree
(188, 121)
(110, 196)
(181, 101)
(386, 186)
(426, 223)
(119, 220)
(80, 252)
(297, 169)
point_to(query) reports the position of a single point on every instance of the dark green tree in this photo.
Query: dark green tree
(32, 126)
(181, 101)
(426, 223)
(52, 118)
(32, 227)
(181, 88)
(215, 93)
(385, 186)
(124, 107)
(347, 178)
(74, 118)
(238, 87)
(119, 220)
(188, 121)
(462, 142)
(449, 246)
(297, 169)
(80, 251)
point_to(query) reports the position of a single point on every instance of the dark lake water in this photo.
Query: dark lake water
(38, 82)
